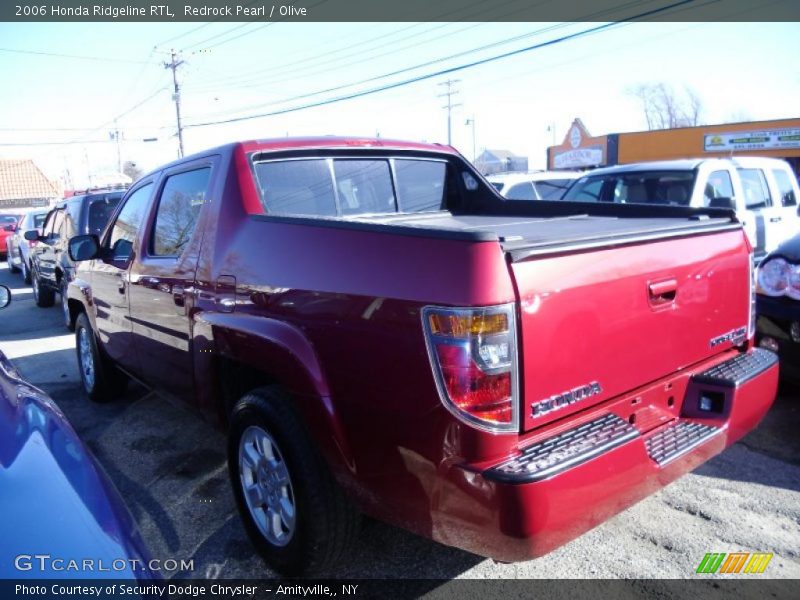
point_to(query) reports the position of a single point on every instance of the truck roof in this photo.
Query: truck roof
(689, 164)
(313, 143)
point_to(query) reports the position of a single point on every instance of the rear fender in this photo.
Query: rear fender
(284, 355)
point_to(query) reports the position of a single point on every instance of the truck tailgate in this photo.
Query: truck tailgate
(600, 323)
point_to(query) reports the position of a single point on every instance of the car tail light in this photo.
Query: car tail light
(473, 353)
(751, 323)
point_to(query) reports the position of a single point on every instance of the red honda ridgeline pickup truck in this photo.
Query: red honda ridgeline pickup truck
(379, 330)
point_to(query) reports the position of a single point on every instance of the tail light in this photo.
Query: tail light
(473, 353)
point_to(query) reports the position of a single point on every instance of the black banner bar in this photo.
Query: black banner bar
(396, 10)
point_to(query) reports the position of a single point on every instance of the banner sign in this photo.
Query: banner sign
(768, 139)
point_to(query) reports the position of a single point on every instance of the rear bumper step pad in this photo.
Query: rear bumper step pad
(677, 439)
(560, 452)
(735, 371)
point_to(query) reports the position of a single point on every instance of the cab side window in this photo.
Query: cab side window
(47, 228)
(785, 188)
(128, 222)
(756, 192)
(178, 209)
(719, 186)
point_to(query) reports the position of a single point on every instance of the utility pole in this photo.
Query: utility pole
(115, 136)
(450, 83)
(176, 96)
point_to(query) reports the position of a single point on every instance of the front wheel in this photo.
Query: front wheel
(42, 295)
(68, 323)
(101, 380)
(294, 512)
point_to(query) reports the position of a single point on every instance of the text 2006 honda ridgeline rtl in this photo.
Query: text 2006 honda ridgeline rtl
(379, 331)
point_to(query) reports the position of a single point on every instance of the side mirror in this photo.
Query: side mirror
(722, 202)
(5, 296)
(32, 235)
(84, 247)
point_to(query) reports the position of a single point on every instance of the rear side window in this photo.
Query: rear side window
(586, 190)
(785, 187)
(331, 187)
(521, 191)
(719, 186)
(178, 209)
(128, 222)
(756, 192)
(100, 211)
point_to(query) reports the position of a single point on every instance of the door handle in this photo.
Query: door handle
(775, 219)
(662, 292)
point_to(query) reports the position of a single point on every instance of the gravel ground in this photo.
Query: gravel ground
(170, 468)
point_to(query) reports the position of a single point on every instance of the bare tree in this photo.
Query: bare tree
(664, 109)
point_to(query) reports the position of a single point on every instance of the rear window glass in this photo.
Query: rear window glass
(521, 191)
(329, 187)
(297, 187)
(641, 187)
(552, 189)
(420, 184)
(498, 185)
(100, 212)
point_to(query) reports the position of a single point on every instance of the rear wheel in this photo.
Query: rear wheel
(42, 295)
(102, 381)
(26, 271)
(293, 510)
(10, 260)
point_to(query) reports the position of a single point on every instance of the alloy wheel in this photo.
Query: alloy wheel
(86, 358)
(267, 486)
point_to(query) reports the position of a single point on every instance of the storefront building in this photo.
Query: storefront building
(777, 138)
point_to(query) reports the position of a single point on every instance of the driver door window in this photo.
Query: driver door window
(127, 224)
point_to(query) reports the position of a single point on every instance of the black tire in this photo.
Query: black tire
(9, 259)
(105, 382)
(324, 523)
(68, 322)
(26, 271)
(42, 295)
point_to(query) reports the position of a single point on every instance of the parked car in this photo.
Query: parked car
(535, 185)
(376, 327)
(57, 501)
(19, 249)
(51, 267)
(778, 306)
(8, 225)
(763, 191)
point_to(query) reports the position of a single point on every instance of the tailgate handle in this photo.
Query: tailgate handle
(775, 219)
(663, 291)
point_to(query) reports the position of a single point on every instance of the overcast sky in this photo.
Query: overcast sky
(740, 71)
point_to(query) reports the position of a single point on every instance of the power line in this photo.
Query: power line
(74, 56)
(450, 70)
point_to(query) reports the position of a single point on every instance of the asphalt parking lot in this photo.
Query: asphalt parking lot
(170, 467)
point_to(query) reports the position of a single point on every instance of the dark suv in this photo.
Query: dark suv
(51, 267)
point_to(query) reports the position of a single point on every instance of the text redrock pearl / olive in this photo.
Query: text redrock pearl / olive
(284, 10)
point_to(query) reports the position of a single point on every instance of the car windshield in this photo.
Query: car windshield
(8, 219)
(100, 211)
(636, 187)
